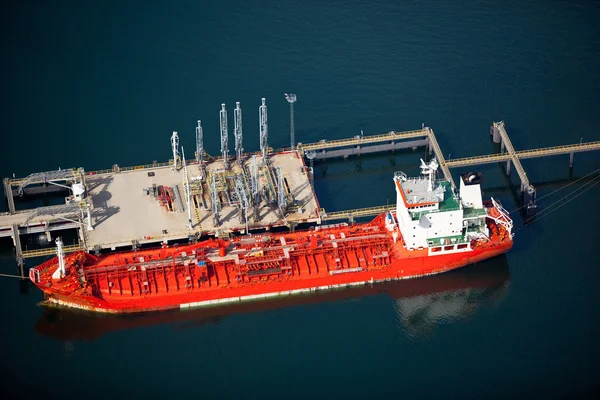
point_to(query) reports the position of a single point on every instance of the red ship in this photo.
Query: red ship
(432, 230)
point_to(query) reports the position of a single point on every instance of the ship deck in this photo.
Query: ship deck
(124, 214)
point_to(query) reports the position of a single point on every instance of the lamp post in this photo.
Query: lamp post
(291, 98)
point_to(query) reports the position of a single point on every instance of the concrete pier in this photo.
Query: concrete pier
(124, 213)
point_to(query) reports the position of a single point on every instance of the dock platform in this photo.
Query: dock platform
(125, 215)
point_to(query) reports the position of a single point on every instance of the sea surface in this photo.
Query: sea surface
(94, 84)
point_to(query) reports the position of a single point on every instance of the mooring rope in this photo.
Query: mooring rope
(559, 189)
(550, 210)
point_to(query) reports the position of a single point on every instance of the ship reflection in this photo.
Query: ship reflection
(421, 304)
(483, 285)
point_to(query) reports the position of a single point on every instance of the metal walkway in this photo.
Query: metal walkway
(511, 151)
(51, 251)
(523, 154)
(356, 213)
(60, 211)
(500, 136)
(45, 177)
(361, 140)
(433, 145)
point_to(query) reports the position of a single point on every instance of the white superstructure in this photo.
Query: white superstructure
(431, 215)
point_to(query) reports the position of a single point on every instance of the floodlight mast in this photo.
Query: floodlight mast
(291, 98)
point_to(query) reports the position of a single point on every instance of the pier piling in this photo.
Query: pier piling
(9, 195)
(495, 132)
(18, 251)
(571, 159)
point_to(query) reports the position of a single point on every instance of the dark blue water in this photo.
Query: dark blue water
(96, 84)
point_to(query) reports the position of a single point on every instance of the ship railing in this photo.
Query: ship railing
(155, 238)
(359, 212)
(50, 251)
(504, 218)
(134, 168)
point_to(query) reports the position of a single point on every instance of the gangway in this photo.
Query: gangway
(60, 175)
(433, 145)
(513, 157)
(360, 140)
(356, 213)
(523, 154)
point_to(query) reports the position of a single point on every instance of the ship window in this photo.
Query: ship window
(461, 246)
(448, 248)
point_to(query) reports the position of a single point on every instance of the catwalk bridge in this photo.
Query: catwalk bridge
(397, 140)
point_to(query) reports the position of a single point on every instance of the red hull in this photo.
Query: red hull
(478, 285)
(247, 268)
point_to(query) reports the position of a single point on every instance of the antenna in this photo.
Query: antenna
(262, 117)
(429, 170)
(224, 134)
(291, 98)
(237, 130)
(175, 147)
